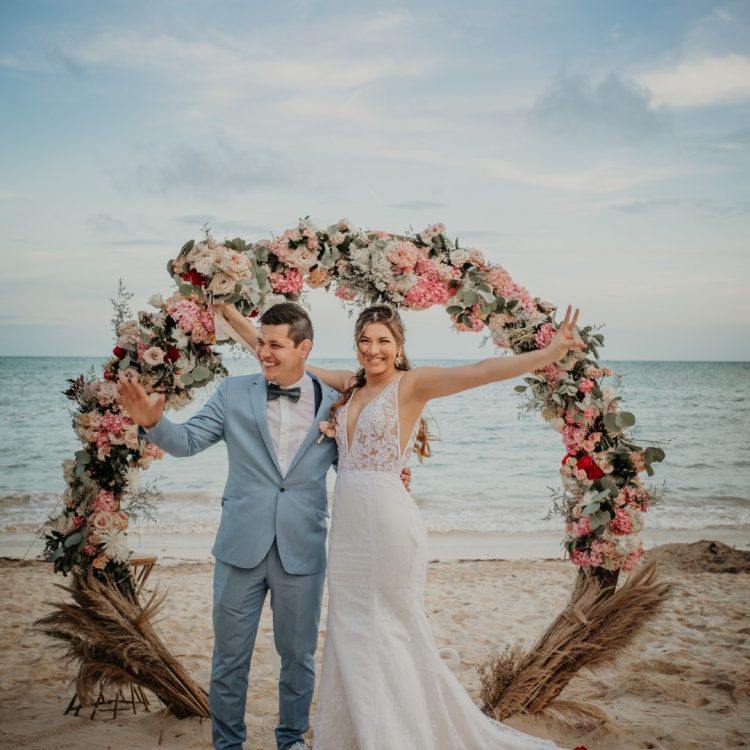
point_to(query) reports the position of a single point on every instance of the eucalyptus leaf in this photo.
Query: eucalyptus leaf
(124, 363)
(626, 419)
(469, 297)
(200, 373)
(73, 539)
(187, 247)
(520, 388)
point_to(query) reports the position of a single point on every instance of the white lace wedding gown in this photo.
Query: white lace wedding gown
(383, 685)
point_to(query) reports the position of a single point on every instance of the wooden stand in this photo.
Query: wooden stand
(133, 695)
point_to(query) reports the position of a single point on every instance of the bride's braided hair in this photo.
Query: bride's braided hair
(390, 318)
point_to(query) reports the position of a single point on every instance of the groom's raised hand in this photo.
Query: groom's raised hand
(143, 409)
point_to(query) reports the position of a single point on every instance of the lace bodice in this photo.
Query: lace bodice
(376, 440)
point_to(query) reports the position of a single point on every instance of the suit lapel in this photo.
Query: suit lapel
(327, 398)
(258, 401)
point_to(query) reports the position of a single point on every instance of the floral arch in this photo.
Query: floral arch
(170, 349)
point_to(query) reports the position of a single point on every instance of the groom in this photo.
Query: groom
(273, 520)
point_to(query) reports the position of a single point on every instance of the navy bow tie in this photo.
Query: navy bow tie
(273, 391)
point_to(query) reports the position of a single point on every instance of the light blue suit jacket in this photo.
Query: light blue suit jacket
(258, 503)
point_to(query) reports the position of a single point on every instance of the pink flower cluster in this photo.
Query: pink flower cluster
(194, 319)
(289, 281)
(404, 256)
(432, 231)
(504, 285)
(104, 502)
(580, 528)
(544, 335)
(432, 287)
(115, 424)
(632, 559)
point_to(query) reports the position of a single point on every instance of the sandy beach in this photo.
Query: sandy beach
(685, 686)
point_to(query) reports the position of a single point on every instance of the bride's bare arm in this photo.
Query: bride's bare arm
(246, 330)
(433, 382)
(336, 379)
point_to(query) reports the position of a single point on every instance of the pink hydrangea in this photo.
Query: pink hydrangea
(580, 558)
(581, 527)
(504, 285)
(114, 423)
(586, 385)
(552, 374)
(621, 524)
(431, 288)
(345, 293)
(544, 335)
(289, 281)
(104, 502)
(632, 559)
(476, 324)
(572, 438)
(194, 319)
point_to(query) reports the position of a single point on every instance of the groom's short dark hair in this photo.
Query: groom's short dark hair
(300, 325)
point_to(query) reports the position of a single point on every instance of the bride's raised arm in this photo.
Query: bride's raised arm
(336, 379)
(433, 382)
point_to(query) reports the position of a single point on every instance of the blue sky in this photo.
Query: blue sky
(600, 151)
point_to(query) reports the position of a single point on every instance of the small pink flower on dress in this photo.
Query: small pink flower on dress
(327, 430)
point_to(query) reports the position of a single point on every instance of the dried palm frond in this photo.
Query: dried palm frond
(109, 636)
(593, 631)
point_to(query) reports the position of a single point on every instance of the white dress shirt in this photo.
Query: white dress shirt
(290, 422)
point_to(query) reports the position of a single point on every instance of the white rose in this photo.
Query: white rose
(156, 300)
(221, 284)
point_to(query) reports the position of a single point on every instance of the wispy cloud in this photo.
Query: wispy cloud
(700, 82)
(644, 206)
(738, 140)
(211, 170)
(103, 223)
(418, 205)
(575, 104)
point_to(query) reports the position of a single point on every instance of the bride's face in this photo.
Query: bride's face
(377, 349)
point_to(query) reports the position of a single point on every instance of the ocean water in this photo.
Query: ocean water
(492, 467)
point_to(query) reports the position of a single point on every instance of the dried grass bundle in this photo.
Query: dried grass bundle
(595, 628)
(109, 636)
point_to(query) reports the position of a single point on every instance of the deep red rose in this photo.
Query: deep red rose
(109, 375)
(254, 314)
(173, 354)
(566, 457)
(592, 470)
(198, 279)
(119, 352)
(580, 747)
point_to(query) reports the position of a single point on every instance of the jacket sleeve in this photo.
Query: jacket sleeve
(198, 433)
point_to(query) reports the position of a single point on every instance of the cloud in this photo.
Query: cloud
(418, 205)
(643, 206)
(702, 82)
(573, 103)
(105, 224)
(737, 141)
(230, 69)
(197, 219)
(221, 170)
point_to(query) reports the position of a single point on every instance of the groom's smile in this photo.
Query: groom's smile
(281, 360)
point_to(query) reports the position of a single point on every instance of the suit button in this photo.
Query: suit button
(282, 489)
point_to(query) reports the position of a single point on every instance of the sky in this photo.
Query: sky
(599, 151)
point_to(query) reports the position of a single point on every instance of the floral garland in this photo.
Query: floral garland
(170, 351)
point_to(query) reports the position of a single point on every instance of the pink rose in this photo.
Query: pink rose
(153, 356)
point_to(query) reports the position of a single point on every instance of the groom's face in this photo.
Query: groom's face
(281, 360)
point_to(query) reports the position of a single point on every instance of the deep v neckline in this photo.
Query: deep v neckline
(359, 416)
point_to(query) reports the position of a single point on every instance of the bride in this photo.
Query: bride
(383, 685)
